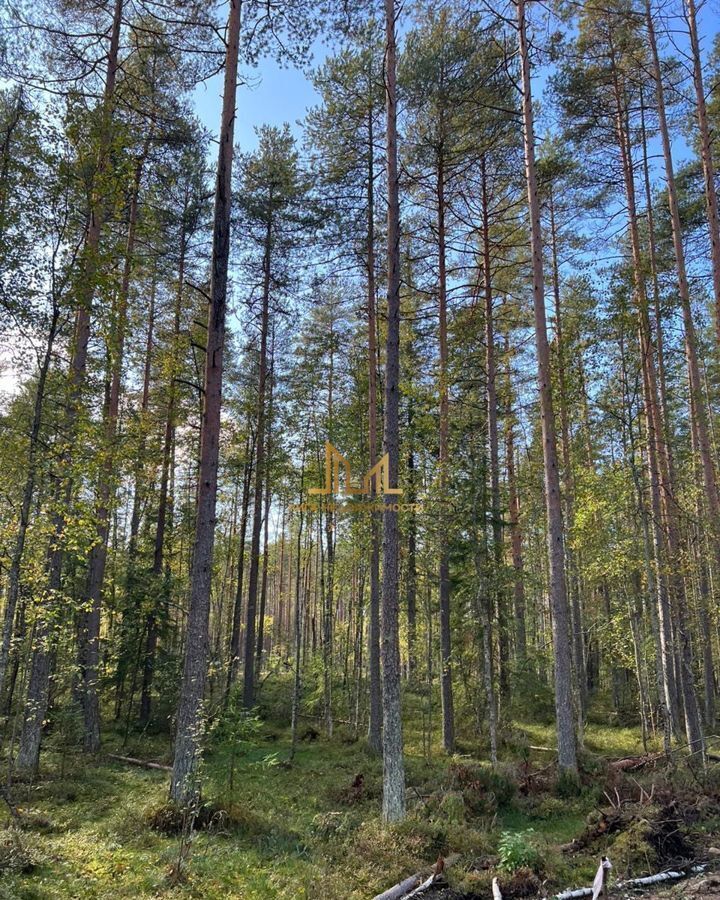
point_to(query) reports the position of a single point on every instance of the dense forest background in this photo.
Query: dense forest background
(487, 263)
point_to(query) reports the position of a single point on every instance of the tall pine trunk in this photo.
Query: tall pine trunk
(188, 740)
(89, 633)
(446, 684)
(567, 757)
(39, 682)
(375, 718)
(252, 601)
(392, 738)
(693, 724)
(711, 202)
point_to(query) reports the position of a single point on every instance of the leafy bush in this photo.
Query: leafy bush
(517, 851)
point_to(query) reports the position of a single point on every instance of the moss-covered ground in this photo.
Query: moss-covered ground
(302, 830)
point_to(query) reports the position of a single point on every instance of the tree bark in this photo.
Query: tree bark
(188, 741)
(491, 402)
(661, 492)
(576, 616)
(89, 634)
(234, 664)
(711, 203)
(392, 738)
(39, 683)
(515, 535)
(693, 724)
(375, 711)
(446, 685)
(251, 612)
(567, 759)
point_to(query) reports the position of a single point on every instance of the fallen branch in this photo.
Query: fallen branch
(429, 882)
(143, 763)
(633, 763)
(645, 881)
(419, 883)
(652, 879)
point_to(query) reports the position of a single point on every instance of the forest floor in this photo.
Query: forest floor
(312, 830)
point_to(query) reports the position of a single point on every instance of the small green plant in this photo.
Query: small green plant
(517, 851)
(235, 733)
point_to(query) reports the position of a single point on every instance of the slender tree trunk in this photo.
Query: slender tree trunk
(89, 637)
(234, 665)
(13, 576)
(151, 633)
(661, 493)
(567, 760)
(704, 593)
(711, 202)
(392, 739)
(693, 723)
(188, 741)
(495, 584)
(411, 574)
(39, 682)
(375, 717)
(446, 686)
(515, 537)
(328, 589)
(251, 612)
(266, 523)
(578, 641)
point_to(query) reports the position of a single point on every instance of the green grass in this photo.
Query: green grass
(297, 836)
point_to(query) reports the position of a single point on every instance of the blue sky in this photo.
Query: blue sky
(271, 96)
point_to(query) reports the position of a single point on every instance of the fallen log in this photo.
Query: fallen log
(429, 882)
(633, 763)
(647, 880)
(143, 763)
(419, 883)
(497, 893)
(644, 881)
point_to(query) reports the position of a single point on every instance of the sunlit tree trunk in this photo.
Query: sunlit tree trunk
(39, 681)
(392, 738)
(188, 740)
(693, 724)
(576, 613)
(89, 632)
(567, 759)
(711, 202)
(446, 685)
(495, 585)
(251, 611)
(661, 491)
(375, 717)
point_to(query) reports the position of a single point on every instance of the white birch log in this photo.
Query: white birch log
(425, 886)
(417, 883)
(497, 893)
(653, 879)
(400, 890)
